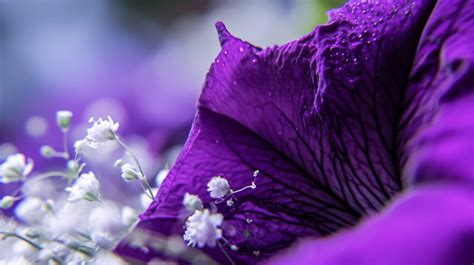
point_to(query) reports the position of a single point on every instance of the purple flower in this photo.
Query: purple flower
(362, 127)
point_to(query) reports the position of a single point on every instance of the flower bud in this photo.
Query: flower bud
(130, 172)
(15, 168)
(63, 119)
(31, 232)
(7, 202)
(73, 166)
(192, 202)
(47, 151)
(218, 187)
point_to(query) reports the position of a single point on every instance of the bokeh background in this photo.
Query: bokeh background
(141, 62)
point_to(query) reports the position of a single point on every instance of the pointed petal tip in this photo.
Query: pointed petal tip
(224, 34)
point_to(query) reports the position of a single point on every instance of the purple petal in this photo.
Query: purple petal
(430, 225)
(316, 116)
(438, 123)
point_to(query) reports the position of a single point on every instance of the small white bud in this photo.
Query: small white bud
(230, 202)
(7, 202)
(86, 187)
(73, 166)
(31, 232)
(234, 247)
(47, 151)
(48, 206)
(218, 187)
(15, 168)
(119, 163)
(63, 119)
(130, 172)
(192, 202)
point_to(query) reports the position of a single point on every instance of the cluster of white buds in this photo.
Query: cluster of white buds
(15, 168)
(203, 227)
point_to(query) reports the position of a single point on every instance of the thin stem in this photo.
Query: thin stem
(225, 253)
(40, 177)
(37, 246)
(7, 234)
(142, 174)
(66, 152)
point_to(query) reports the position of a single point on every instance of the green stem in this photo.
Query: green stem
(142, 174)
(40, 177)
(66, 152)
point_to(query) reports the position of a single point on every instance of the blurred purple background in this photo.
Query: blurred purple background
(141, 62)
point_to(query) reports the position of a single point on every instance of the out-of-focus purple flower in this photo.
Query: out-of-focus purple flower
(378, 102)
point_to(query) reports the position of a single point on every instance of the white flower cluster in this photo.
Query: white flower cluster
(15, 168)
(203, 227)
(80, 228)
(101, 132)
(86, 188)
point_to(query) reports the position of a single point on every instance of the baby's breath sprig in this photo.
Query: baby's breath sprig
(105, 130)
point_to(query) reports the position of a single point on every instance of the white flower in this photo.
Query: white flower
(130, 172)
(218, 187)
(30, 210)
(7, 202)
(81, 145)
(86, 187)
(102, 130)
(192, 202)
(202, 228)
(15, 168)
(63, 119)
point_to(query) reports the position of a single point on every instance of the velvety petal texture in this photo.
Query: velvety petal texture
(439, 117)
(430, 223)
(423, 226)
(329, 121)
